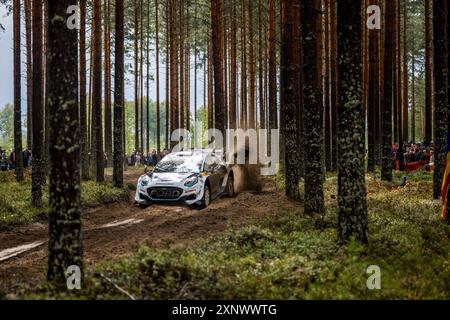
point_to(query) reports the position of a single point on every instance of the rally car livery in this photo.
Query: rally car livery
(191, 177)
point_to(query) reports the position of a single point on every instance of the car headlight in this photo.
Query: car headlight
(144, 180)
(191, 182)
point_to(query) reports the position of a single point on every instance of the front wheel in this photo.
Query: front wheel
(142, 205)
(206, 200)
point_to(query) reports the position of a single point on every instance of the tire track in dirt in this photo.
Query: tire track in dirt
(130, 227)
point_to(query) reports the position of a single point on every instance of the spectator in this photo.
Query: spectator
(105, 159)
(137, 157)
(430, 165)
(12, 160)
(133, 158)
(3, 161)
(26, 157)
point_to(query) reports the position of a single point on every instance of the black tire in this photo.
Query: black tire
(231, 192)
(206, 200)
(143, 205)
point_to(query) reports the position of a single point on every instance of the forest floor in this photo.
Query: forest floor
(117, 230)
(254, 246)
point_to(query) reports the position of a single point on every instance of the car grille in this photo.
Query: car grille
(165, 193)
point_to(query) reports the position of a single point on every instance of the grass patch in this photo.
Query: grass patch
(287, 256)
(15, 198)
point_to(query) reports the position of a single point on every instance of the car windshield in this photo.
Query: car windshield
(186, 165)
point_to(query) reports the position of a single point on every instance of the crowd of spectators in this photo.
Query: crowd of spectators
(140, 159)
(413, 156)
(8, 159)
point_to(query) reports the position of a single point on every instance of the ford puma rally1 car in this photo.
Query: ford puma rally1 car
(191, 177)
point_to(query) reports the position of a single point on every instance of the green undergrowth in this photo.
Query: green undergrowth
(15, 198)
(292, 256)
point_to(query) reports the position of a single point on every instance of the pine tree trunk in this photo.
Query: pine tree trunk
(196, 61)
(124, 140)
(386, 169)
(225, 67)
(365, 60)
(379, 110)
(252, 98)
(44, 81)
(243, 110)
(233, 78)
(210, 88)
(313, 110)
(281, 124)
(187, 68)
(447, 109)
(273, 118)
(333, 83)
(195, 78)
(89, 115)
(187, 85)
(83, 99)
(290, 78)
(119, 74)
(399, 83)
(158, 103)
(136, 75)
(97, 129)
(262, 121)
(352, 207)
(108, 119)
(405, 77)
(394, 73)
(27, 5)
(328, 145)
(428, 73)
(266, 76)
(373, 92)
(182, 67)
(168, 74)
(38, 177)
(174, 119)
(205, 81)
(147, 117)
(413, 99)
(217, 51)
(141, 78)
(17, 93)
(440, 44)
(64, 246)
(298, 94)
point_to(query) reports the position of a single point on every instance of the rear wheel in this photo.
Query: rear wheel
(230, 186)
(206, 200)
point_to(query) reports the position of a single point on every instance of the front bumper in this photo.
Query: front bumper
(186, 195)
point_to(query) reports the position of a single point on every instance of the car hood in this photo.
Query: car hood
(170, 177)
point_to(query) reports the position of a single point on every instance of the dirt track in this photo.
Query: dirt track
(116, 230)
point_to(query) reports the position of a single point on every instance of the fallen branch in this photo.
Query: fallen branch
(129, 295)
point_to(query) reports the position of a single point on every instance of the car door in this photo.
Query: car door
(214, 177)
(221, 171)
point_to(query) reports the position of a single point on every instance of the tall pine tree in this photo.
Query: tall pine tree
(352, 208)
(64, 193)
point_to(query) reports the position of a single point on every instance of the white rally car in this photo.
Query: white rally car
(191, 177)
